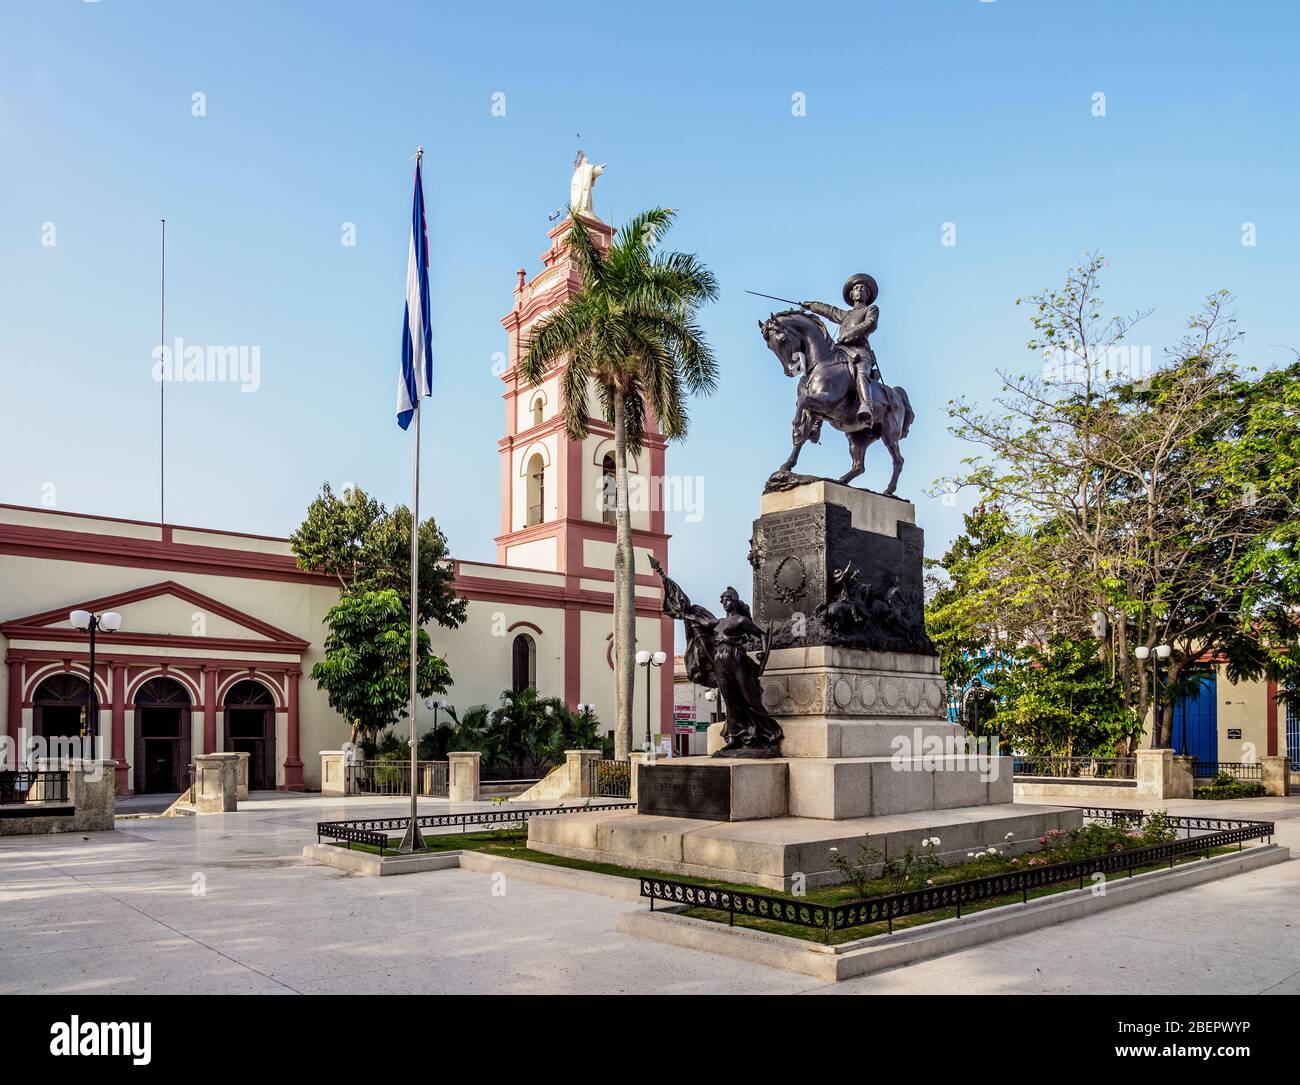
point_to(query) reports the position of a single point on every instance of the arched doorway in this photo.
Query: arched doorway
(59, 706)
(162, 736)
(250, 728)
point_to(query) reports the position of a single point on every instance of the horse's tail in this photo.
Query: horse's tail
(908, 414)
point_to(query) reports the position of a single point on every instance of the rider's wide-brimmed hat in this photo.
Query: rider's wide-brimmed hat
(866, 280)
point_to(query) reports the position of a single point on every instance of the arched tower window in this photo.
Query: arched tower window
(537, 411)
(536, 490)
(608, 488)
(523, 663)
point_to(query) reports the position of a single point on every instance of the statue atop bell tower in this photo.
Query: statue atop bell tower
(583, 181)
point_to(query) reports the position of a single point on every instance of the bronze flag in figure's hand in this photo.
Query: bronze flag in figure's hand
(839, 380)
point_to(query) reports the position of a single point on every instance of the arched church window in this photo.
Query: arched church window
(523, 663)
(608, 488)
(536, 490)
(537, 411)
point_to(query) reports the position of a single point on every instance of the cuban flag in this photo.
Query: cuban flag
(416, 379)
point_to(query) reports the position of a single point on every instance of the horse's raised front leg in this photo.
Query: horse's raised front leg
(799, 430)
(858, 442)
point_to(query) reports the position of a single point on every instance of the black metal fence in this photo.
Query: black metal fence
(376, 831)
(1238, 770)
(609, 779)
(394, 778)
(1213, 833)
(23, 786)
(1111, 769)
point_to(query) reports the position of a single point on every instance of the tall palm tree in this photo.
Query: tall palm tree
(630, 333)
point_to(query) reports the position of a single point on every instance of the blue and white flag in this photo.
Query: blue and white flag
(416, 380)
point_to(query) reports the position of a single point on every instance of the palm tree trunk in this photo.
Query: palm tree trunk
(624, 592)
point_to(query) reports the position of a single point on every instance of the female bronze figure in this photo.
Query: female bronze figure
(717, 657)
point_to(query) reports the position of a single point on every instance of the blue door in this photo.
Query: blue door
(1196, 722)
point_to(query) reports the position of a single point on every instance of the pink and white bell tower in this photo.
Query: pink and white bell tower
(552, 514)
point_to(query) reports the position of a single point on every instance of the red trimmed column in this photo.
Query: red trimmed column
(292, 762)
(14, 721)
(572, 656)
(667, 712)
(121, 768)
(209, 710)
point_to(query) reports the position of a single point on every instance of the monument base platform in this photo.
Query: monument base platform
(721, 789)
(771, 852)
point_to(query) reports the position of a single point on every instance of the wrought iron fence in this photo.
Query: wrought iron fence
(394, 778)
(1076, 768)
(25, 786)
(609, 779)
(375, 831)
(1238, 770)
(1213, 833)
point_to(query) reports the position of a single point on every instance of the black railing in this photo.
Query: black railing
(1238, 770)
(375, 831)
(1086, 769)
(829, 918)
(394, 778)
(25, 786)
(609, 779)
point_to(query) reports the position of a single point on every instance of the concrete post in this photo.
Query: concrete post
(1181, 781)
(216, 783)
(638, 758)
(333, 777)
(576, 764)
(241, 777)
(463, 775)
(92, 790)
(1154, 772)
(1277, 774)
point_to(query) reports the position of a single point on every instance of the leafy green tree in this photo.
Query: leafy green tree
(365, 667)
(632, 335)
(1140, 508)
(1059, 698)
(367, 548)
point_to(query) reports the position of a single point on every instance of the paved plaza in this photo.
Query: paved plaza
(226, 904)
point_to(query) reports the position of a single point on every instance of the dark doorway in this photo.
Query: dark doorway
(162, 736)
(250, 729)
(59, 706)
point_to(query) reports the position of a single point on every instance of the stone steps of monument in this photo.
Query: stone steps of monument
(772, 852)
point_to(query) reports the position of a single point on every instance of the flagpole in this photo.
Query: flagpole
(413, 839)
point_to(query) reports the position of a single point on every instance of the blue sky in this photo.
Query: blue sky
(917, 114)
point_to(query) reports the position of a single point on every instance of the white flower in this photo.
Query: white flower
(970, 855)
(936, 841)
(992, 850)
(835, 849)
(1009, 836)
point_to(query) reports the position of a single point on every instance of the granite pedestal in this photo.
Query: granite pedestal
(867, 749)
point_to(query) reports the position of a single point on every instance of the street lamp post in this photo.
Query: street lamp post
(648, 660)
(110, 622)
(1163, 651)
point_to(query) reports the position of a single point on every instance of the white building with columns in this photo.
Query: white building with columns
(220, 629)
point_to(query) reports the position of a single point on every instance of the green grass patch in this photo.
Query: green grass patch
(512, 844)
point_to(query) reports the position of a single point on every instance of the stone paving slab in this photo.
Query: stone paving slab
(116, 913)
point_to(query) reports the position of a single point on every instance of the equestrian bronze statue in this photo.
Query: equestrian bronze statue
(839, 380)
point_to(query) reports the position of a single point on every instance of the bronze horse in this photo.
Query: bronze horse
(827, 392)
